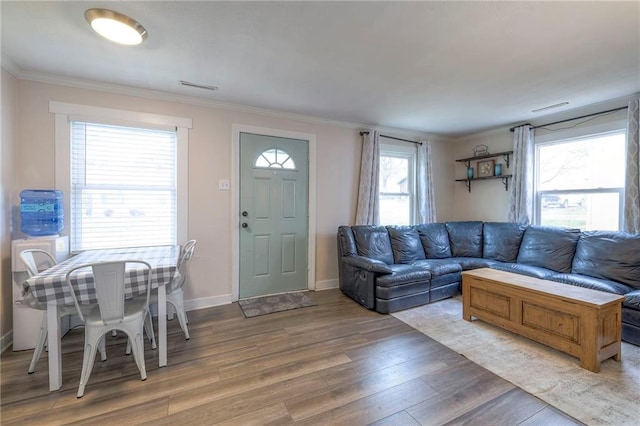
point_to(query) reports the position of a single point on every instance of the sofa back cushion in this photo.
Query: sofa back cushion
(435, 240)
(549, 247)
(346, 242)
(465, 238)
(611, 256)
(501, 240)
(405, 244)
(373, 242)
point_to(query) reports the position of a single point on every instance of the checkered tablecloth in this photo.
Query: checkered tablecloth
(50, 285)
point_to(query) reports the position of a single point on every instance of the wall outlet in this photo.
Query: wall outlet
(224, 184)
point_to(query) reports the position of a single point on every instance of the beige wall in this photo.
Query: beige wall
(7, 185)
(488, 198)
(210, 154)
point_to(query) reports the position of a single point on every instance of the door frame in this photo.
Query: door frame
(235, 200)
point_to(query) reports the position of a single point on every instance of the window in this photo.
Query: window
(397, 184)
(580, 182)
(275, 159)
(124, 175)
(123, 186)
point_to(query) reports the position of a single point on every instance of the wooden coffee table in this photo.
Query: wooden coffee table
(579, 321)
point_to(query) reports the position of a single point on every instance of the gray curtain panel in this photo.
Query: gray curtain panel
(521, 190)
(425, 196)
(368, 209)
(632, 176)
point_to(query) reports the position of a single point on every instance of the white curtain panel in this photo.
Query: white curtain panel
(632, 176)
(368, 209)
(521, 190)
(425, 198)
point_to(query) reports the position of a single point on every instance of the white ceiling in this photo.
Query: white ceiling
(446, 68)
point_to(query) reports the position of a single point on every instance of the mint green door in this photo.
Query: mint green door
(273, 214)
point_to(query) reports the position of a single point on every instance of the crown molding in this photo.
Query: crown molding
(196, 101)
(10, 66)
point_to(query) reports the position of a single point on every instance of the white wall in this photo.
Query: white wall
(7, 186)
(210, 153)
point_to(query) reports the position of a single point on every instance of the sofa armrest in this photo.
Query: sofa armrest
(367, 264)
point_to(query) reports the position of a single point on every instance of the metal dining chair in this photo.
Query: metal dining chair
(112, 312)
(28, 257)
(175, 292)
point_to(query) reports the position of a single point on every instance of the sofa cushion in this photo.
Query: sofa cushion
(501, 240)
(347, 245)
(435, 240)
(467, 263)
(465, 238)
(438, 267)
(548, 247)
(404, 274)
(405, 244)
(609, 255)
(592, 283)
(529, 270)
(632, 301)
(373, 242)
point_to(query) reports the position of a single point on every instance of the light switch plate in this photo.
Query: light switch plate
(223, 184)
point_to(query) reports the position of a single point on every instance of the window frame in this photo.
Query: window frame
(64, 113)
(407, 151)
(573, 135)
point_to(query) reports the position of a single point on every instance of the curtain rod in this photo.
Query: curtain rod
(391, 137)
(571, 119)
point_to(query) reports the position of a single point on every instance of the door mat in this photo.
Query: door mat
(275, 303)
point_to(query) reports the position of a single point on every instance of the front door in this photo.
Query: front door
(274, 214)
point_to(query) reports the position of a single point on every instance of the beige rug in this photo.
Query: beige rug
(610, 397)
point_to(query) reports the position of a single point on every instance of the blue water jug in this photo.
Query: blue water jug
(41, 212)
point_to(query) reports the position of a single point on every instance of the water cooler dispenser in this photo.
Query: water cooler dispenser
(42, 218)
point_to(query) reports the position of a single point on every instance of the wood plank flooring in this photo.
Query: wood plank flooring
(332, 364)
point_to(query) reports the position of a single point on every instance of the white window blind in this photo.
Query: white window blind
(123, 186)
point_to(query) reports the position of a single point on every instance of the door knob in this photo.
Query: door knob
(244, 224)
(245, 214)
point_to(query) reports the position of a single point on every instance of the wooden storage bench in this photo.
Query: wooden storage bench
(582, 322)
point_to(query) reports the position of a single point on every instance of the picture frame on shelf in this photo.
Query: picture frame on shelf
(485, 168)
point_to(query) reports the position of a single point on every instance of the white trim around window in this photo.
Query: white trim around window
(65, 112)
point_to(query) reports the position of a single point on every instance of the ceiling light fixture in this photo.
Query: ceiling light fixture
(551, 107)
(115, 26)
(199, 86)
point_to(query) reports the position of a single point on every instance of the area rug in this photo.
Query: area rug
(610, 397)
(275, 303)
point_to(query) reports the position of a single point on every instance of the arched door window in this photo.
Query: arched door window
(275, 158)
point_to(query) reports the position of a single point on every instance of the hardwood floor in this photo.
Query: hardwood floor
(335, 363)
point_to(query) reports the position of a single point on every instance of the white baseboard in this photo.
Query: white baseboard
(207, 302)
(6, 341)
(327, 284)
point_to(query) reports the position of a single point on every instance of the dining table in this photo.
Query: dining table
(49, 287)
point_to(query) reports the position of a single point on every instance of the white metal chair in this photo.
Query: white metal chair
(112, 312)
(28, 257)
(175, 292)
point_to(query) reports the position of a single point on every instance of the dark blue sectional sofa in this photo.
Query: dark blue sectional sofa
(391, 268)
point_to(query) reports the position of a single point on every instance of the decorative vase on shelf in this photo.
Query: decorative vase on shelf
(498, 169)
(469, 172)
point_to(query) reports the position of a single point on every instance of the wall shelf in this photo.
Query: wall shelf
(505, 181)
(505, 156)
(467, 162)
